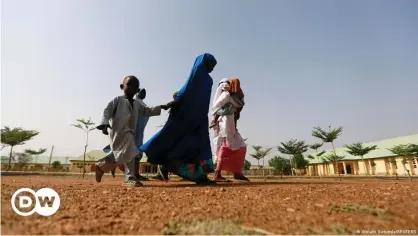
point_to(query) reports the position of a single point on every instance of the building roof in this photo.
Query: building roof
(96, 155)
(40, 160)
(381, 151)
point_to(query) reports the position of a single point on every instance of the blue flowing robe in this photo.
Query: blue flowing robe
(185, 136)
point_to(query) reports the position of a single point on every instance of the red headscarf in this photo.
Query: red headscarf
(235, 87)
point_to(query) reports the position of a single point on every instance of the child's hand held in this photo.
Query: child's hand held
(165, 107)
(104, 128)
(105, 132)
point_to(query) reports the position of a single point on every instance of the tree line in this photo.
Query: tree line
(295, 149)
(12, 137)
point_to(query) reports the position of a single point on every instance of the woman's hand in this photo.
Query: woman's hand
(174, 103)
(170, 105)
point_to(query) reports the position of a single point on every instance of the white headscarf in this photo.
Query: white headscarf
(220, 89)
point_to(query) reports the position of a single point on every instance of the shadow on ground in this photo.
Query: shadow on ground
(181, 184)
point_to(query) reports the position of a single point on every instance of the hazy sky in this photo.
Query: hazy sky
(301, 63)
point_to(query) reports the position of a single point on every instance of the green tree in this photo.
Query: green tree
(293, 148)
(15, 137)
(406, 151)
(257, 154)
(334, 158)
(357, 149)
(264, 153)
(329, 137)
(414, 149)
(56, 165)
(247, 165)
(35, 153)
(280, 164)
(86, 125)
(299, 161)
(316, 146)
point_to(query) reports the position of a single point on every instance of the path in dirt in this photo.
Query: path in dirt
(287, 207)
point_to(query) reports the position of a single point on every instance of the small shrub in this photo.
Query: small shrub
(56, 165)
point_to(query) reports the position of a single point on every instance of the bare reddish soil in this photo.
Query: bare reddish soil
(284, 207)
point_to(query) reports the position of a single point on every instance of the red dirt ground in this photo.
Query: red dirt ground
(284, 207)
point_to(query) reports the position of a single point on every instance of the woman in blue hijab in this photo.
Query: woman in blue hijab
(183, 144)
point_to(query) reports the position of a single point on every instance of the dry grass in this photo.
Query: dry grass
(341, 229)
(209, 227)
(360, 209)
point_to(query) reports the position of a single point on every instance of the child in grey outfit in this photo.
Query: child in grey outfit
(122, 124)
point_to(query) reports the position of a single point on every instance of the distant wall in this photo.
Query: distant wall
(32, 167)
(261, 172)
(77, 166)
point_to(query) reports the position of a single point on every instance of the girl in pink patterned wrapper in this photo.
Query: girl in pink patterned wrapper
(230, 146)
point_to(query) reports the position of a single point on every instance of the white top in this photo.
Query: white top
(225, 129)
(123, 123)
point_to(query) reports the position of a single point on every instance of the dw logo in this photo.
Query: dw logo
(47, 202)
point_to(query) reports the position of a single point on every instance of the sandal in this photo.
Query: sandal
(241, 177)
(162, 174)
(141, 178)
(205, 181)
(157, 177)
(221, 179)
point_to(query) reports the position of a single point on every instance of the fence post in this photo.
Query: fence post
(50, 157)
